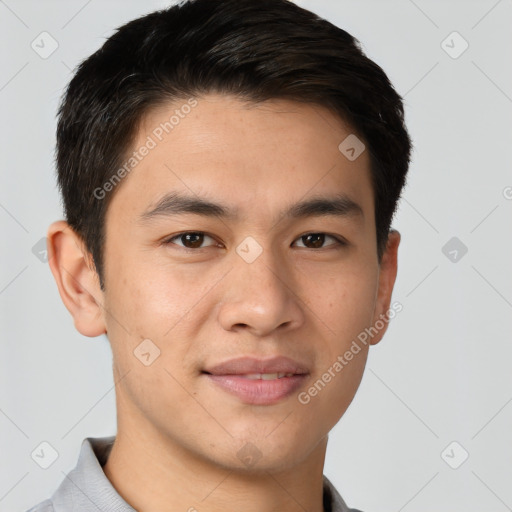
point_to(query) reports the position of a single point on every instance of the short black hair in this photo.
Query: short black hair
(255, 50)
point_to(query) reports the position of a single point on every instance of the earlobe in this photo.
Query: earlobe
(387, 276)
(76, 279)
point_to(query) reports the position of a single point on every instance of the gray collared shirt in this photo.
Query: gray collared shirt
(86, 487)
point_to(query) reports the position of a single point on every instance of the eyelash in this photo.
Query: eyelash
(339, 242)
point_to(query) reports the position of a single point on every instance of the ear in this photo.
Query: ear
(387, 275)
(76, 278)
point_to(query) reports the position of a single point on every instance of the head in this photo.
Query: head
(247, 105)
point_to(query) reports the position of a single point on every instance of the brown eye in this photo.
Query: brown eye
(189, 240)
(316, 240)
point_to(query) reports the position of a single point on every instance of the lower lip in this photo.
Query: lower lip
(258, 391)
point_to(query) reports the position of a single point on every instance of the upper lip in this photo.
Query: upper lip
(249, 365)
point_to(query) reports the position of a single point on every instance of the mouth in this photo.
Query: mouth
(275, 367)
(259, 388)
(258, 381)
(259, 376)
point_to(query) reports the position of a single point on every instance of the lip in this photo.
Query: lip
(246, 365)
(258, 392)
(232, 377)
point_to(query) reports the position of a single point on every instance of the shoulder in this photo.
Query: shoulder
(44, 506)
(333, 502)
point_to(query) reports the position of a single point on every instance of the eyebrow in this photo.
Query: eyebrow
(175, 203)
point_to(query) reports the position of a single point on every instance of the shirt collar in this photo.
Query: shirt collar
(86, 487)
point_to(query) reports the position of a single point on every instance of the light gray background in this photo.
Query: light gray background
(442, 372)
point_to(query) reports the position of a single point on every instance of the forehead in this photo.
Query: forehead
(256, 157)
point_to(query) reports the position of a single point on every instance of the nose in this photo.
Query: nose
(261, 296)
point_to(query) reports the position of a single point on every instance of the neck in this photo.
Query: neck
(152, 473)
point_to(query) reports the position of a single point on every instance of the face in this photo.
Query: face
(187, 290)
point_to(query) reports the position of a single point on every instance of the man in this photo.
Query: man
(230, 170)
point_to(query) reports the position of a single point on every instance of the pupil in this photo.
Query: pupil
(319, 239)
(195, 244)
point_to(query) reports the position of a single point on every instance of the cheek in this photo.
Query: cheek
(348, 313)
(344, 303)
(155, 298)
(333, 387)
(146, 335)
(164, 306)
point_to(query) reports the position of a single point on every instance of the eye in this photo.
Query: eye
(317, 240)
(195, 239)
(190, 239)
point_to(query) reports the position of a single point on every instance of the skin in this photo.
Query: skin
(178, 434)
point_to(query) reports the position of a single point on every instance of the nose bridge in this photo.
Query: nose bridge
(260, 295)
(260, 271)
